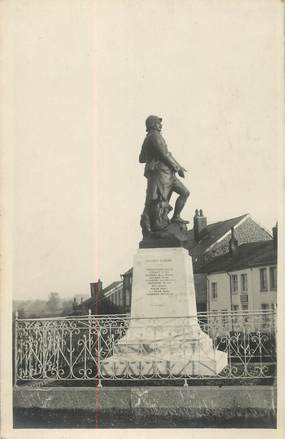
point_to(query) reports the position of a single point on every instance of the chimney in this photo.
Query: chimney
(233, 242)
(200, 225)
(275, 235)
(96, 288)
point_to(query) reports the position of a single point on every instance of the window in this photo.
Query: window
(128, 298)
(263, 279)
(234, 282)
(265, 306)
(273, 278)
(235, 307)
(214, 290)
(243, 282)
(120, 298)
(244, 299)
(244, 306)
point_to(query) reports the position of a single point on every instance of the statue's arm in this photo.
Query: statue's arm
(166, 156)
(175, 161)
(142, 156)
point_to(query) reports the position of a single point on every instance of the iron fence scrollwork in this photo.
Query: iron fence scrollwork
(77, 348)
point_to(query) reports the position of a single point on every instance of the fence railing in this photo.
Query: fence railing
(96, 348)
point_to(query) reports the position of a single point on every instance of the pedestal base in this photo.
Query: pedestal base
(164, 348)
(164, 337)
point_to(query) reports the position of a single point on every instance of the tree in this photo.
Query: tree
(54, 303)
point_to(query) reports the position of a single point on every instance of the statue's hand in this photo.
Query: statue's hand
(181, 172)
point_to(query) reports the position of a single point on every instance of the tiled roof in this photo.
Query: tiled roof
(111, 286)
(247, 255)
(213, 233)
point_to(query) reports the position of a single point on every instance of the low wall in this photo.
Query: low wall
(107, 407)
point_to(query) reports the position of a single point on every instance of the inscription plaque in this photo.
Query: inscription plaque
(163, 283)
(160, 281)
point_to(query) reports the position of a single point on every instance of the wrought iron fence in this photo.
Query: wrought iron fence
(228, 345)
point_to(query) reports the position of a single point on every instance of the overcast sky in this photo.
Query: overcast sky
(86, 75)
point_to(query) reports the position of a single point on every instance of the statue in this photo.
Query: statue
(160, 171)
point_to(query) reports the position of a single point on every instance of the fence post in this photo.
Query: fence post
(89, 330)
(99, 384)
(16, 348)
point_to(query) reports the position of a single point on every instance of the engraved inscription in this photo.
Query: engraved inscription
(160, 280)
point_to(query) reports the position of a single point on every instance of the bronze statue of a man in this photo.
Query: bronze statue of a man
(160, 171)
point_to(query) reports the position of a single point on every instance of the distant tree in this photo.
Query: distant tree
(35, 308)
(21, 313)
(67, 307)
(53, 304)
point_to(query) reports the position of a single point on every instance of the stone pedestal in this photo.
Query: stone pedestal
(164, 337)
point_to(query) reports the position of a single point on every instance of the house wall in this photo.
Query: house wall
(263, 297)
(223, 301)
(226, 300)
(127, 289)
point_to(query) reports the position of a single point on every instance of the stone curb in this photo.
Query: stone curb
(106, 399)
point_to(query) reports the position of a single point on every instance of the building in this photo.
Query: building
(245, 278)
(109, 300)
(127, 279)
(208, 241)
(114, 293)
(205, 242)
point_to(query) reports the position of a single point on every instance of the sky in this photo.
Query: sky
(85, 76)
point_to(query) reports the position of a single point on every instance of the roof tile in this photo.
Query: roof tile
(214, 232)
(247, 255)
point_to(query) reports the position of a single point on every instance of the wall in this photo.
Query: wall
(223, 288)
(255, 296)
(234, 406)
(266, 297)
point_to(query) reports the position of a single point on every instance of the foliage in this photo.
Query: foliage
(53, 306)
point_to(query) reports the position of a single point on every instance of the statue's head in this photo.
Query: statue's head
(153, 123)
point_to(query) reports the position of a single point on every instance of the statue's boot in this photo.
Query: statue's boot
(178, 219)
